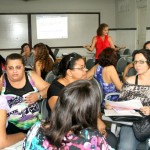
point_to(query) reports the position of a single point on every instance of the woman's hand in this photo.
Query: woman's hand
(101, 127)
(108, 106)
(31, 98)
(87, 47)
(145, 110)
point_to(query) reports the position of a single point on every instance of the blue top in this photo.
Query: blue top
(107, 87)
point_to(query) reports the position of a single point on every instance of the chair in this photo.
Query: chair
(99, 88)
(50, 77)
(126, 52)
(120, 66)
(56, 52)
(44, 111)
(90, 63)
(131, 72)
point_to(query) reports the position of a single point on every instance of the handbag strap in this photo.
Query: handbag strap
(136, 80)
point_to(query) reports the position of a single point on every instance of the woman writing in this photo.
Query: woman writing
(20, 92)
(78, 104)
(101, 41)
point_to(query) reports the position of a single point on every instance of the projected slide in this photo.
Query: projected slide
(52, 26)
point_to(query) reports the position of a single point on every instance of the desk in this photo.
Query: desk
(114, 128)
(58, 59)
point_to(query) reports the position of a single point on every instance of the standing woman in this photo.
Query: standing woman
(101, 41)
(43, 63)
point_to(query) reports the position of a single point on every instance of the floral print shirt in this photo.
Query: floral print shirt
(89, 140)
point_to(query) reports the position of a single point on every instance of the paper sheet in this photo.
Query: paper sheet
(130, 104)
(112, 112)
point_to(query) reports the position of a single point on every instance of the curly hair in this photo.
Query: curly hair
(42, 56)
(108, 57)
(101, 28)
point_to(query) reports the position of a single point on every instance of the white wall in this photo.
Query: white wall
(126, 17)
(105, 7)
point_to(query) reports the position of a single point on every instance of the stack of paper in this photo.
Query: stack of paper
(124, 108)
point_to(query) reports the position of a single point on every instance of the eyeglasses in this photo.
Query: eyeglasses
(82, 69)
(140, 62)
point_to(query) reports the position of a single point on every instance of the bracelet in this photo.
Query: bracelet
(39, 96)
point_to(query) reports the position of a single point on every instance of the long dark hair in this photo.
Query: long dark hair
(77, 108)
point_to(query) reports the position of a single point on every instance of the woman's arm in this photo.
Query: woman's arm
(91, 72)
(92, 46)
(115, 78)
(42, 87)
(38, 68)
(126, 70)
(52, 101)
(7, 140)
(111, 42)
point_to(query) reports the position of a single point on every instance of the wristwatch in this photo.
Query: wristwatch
(39, 96)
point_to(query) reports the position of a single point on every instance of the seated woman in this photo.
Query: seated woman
(78, 105)
(72, 68)
(129, 66)
(43, 63)
(136, 87)
(106, 73)
(5, 139)
(27, 54)
(21, 90)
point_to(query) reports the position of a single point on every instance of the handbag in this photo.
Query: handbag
(125, 118)
(142, 128)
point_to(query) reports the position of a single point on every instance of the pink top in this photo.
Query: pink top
(101, 45)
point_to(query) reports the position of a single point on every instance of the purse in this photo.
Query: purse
(142, 128)
(125, 118)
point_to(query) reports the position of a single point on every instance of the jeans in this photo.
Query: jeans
(127, 139)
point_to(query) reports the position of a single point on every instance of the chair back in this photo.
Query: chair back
(56, 52)
(121, 64)
(99, 87)
(126, 52)
(50, 77)
(90, 63)
(131, 72)
(44, 111)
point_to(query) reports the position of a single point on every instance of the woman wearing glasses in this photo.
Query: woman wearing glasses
(72, 68)
(129, 66)
(136, 87)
